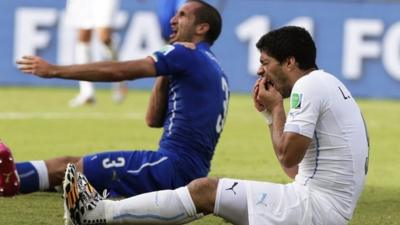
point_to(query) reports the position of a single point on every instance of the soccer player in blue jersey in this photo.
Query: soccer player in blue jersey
(189, 100)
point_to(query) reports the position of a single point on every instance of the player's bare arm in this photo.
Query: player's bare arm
(100, 71)
(157, 106)
(289, 147)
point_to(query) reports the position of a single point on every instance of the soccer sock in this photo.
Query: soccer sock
(33, 176)
(83, 55)
(120, 90)
(86, 88)
(161, 207)
(107, 52)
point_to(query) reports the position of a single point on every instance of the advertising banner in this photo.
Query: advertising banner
(359, 42)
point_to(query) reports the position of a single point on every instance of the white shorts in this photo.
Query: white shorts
(277, 204)
(89, 14)
(270, 203)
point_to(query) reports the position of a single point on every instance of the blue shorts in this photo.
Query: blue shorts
(129, 173)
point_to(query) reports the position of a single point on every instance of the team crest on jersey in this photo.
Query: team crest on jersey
(164, 50)
(295, 100)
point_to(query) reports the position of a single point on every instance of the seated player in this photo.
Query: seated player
(189, 100)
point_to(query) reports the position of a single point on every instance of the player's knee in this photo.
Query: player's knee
(203, 186)
(79, 165)
(60, 163)
(68, 159)
(203, 192)
(85, 35)
(105, 35)
(56, 168)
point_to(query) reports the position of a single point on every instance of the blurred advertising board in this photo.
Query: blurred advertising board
(359, 42)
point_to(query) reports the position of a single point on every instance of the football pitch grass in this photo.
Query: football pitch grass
(36, 123)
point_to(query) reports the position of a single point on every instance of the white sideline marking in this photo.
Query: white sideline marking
(67, 115)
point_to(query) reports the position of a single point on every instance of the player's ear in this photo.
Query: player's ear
(291, 63)
(202, 28)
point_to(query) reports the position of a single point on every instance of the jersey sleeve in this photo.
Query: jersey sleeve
(306, 102)
(172, 59)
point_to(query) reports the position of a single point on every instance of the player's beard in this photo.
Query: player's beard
(286, 92)
(281, 83)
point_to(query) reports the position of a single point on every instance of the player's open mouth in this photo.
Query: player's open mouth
(173, 33)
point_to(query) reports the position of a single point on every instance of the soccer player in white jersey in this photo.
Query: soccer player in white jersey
(322, 145)
(88, 16)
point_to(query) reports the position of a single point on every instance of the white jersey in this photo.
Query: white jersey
(335, 164)
(89, 14)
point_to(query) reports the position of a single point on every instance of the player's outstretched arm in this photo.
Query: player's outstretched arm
(100, 71)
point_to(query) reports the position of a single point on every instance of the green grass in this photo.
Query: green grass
(37, 124)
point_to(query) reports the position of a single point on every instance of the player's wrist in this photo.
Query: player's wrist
(267, 116)
(53, 71)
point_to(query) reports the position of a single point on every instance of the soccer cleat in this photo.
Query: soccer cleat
(81, 100)
(70, 193)
(81, 200)
(9, 179)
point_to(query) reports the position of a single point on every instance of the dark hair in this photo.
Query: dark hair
(290, 41)
(208, 14)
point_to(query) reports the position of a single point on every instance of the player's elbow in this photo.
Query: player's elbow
(292, 171)
(287, 160)
(153, 123)
(292, 149)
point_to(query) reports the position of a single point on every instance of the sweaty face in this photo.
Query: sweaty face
(183, 23)
(274, 72)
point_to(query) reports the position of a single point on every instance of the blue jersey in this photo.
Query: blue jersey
(198, 98)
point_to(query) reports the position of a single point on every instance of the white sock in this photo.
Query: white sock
(119, 85)
(107, 52)
(83, 55)
(43, 174)
(86, 89)
(161, 207)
